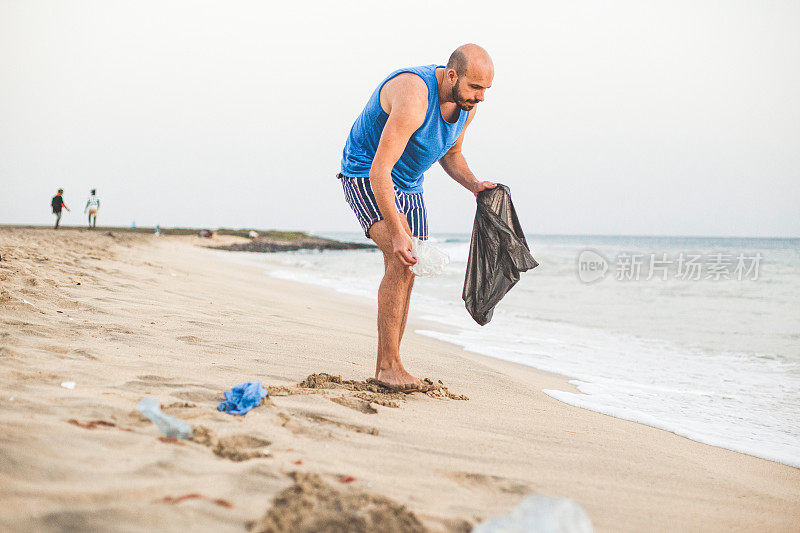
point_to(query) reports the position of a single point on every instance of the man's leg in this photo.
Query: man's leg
(58, 219)
(405, 312)
(393, 302)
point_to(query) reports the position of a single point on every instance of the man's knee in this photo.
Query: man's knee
(396, 270)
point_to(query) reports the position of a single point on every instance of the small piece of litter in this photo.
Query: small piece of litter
(540, 513)
(68, 384)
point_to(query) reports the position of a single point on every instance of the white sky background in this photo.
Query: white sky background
(670, 118)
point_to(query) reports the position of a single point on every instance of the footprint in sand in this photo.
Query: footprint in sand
(304, 423)
(82, 354)
(233, 447)
(148, 381)
(56, 349)
(7, 353)
(183, 410)
(498, 483)
(199, 395)
(179, 410)
(38, 376)
(152, 378)
(357, 404)
(191, 339)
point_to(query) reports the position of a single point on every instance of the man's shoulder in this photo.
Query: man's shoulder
(408, 90)
(409, 80)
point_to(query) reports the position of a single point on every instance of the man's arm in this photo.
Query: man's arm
(455, 165)
(405, 98)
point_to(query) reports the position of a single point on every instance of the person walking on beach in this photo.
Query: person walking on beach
(57, 203)
(92, 206)
(414, 118)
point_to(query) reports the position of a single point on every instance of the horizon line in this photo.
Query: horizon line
(122, 228)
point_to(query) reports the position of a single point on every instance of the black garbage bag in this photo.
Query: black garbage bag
(497, 254)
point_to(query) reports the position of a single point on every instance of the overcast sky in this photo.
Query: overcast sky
(669, 118)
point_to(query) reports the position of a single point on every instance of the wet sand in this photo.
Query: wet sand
(125, 316)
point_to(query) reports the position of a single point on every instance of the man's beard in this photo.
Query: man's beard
(460, 101)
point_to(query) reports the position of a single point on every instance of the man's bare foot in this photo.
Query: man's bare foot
(399, 380)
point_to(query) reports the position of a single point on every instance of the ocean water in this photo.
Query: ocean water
(687, 347)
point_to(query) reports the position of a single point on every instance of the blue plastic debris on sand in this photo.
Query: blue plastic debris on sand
(243, 397)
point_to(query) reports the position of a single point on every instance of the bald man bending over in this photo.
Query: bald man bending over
(414, 118)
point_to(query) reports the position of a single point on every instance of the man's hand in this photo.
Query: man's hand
(402, 246)
(479, 186)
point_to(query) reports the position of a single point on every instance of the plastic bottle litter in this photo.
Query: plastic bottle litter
(68, 385)
(431, 261)
(541, 514)
(169, 426)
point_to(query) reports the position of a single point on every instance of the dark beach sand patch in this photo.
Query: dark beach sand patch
(91, 424)
(94, 424)
(311, 505)
(194, 496)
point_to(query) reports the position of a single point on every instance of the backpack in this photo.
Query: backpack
(55, 203)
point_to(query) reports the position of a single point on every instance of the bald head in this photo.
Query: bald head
(471, 57)
(469, 73)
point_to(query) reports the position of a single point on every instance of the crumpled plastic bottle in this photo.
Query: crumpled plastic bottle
(542, 514)
(431, 261)
(169, 426)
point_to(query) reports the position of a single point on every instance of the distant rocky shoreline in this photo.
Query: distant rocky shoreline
(286, 243)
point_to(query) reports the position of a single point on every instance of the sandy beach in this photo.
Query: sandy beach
(125, 316)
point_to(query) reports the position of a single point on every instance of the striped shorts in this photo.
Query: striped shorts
(358, 193)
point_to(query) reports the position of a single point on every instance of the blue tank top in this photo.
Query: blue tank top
(425, 147)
